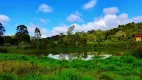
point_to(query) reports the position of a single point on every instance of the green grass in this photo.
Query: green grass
(24, 67)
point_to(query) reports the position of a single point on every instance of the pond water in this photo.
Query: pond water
(80, 56)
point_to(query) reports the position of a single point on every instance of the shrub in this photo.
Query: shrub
(107, 76)
(8, 76)
(137, 63)
(128, 59)
(3, 50)
(137, 52)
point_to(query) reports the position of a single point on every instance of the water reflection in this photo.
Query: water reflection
(70, 57)
(80, 56)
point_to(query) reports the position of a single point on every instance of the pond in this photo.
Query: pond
(79, 56)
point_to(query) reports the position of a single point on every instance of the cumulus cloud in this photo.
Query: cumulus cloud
(108, 21)
(74, 17)
(60, 29)
(136, 19)
(4, 18)
(90, 4)
(111, 10)
(45, 8)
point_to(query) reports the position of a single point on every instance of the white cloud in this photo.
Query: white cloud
(108, 21)
(74, 17)
(44, 21)
(111, 10)
(44, 32)
(4, 18)
(45, 8)
(136, 19)
(90, 4)
(104, 23)
(31, 29)
(60, 29)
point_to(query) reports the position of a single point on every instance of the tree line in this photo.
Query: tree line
(78, 39)
(21, 35)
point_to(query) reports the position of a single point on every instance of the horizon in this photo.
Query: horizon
(84, 14)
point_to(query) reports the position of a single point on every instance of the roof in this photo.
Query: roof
(138, 35)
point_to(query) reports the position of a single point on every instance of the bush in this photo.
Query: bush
(8, 76)
(137, 63)
(107, 76)
(137, 52)
(128, 59)
(3, 50)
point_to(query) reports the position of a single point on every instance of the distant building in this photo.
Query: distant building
(138, 37)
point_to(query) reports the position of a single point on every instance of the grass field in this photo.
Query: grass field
(23, 67)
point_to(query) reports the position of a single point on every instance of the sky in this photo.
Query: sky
(53, 17)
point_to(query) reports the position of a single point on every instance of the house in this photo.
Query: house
(138, 37)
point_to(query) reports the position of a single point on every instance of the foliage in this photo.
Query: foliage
(137, 52)
(22, 33)
(69, 32)
(1, 40)
(8, 76)
(107, 76)
(120, 37)
(37, 33)
(3, 50)
(2, 30)
(11, 40)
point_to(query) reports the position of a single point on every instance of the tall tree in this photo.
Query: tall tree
(2, 30)
(69, 32)
(70, 36)
(38, 41)
(22, 33)
(37, 33)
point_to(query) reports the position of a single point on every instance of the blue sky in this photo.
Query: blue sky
(55, 16)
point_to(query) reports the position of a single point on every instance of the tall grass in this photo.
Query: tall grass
(137, 52)
(71, 74)
(23, 67)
